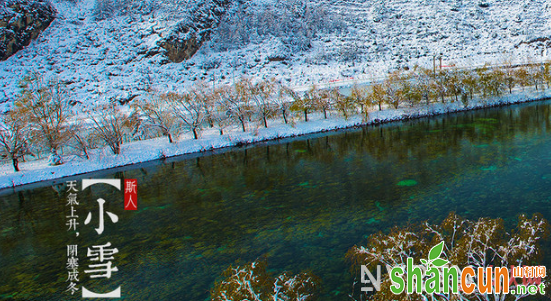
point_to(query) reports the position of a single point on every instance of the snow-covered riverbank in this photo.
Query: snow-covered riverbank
(143, 151)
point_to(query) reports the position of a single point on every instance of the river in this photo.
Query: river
(301, 203)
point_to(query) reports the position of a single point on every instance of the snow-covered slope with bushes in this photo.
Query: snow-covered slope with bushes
(116, 55)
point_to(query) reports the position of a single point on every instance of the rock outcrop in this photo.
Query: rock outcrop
(21, 21)
(189, 35)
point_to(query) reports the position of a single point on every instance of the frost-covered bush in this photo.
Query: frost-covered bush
(104, 9)
(295, 22)
(481, 243)
(253, 282)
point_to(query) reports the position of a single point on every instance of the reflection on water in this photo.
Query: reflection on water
(303, 204)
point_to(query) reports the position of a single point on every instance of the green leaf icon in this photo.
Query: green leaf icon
(439, 262)
(423, 261)
(436, 251)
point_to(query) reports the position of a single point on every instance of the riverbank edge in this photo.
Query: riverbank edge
(139, 152)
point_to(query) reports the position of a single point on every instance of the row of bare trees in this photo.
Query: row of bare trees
(43, 122)
(422, 85)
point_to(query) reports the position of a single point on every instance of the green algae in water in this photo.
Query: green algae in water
(407, 183)
(488, 168)
(378, 205)
(372, 221)
(482, 145)
(489, 120)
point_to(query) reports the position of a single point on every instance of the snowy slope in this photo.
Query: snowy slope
(119, 57)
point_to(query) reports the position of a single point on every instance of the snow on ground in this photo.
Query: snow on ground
(148, 150)
(119, 57)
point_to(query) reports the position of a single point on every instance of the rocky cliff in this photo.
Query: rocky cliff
(190, 34)
(21, 21)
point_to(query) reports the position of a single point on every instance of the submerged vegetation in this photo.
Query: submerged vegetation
(45, 115)
(253, 282)
(483, 243)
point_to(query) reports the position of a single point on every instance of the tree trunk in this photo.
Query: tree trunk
(284, 116)
(195, 134)
(243, 124)
(169, 137)
(116, 149)
(15, 163)
(325, 113)
(265, 121)
(306, 115)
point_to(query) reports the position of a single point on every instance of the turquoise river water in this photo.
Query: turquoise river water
(301, 202)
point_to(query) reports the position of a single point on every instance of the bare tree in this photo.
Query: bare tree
(239, 99)
(283, 103)
(111, 125)
(82, 144)
(536, 75)
(345, 105)
(157, 114)
(305, 103)
(441, 78)
(262, 94)
(204, 95)
(509, 76)
(453, 83)
(82, 140)
(470, 84)
(547, 73)
(14, 143)
(393, 93)
(378, 95)
(221, 115)
(360, 98)
(522, 77)
(189, 108)
(45, 105)
(322, 99)
(425, 83)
